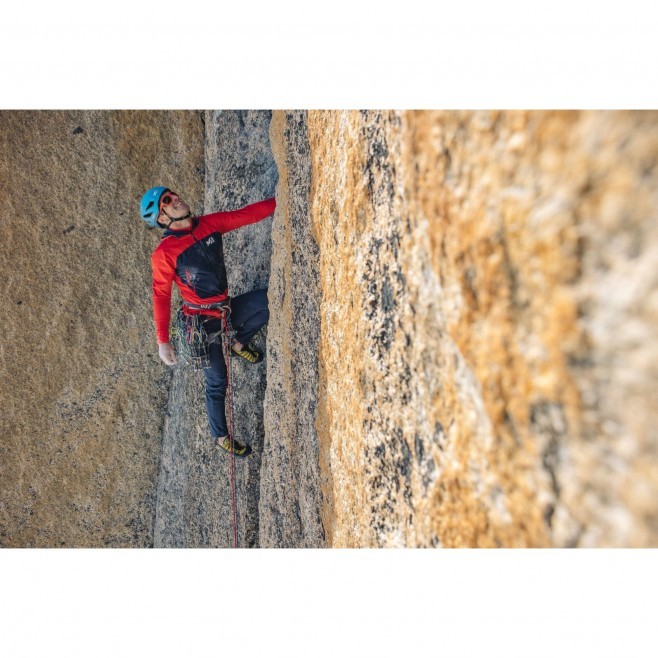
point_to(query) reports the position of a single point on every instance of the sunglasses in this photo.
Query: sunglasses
(166, 199)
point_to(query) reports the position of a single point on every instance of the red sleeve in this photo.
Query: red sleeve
(163, 275)
(228, 221)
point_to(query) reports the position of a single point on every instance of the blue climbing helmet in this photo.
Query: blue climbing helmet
(149, 208)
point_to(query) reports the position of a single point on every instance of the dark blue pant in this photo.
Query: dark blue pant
(249, 313)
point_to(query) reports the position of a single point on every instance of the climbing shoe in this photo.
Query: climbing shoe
(247, 353)
(239, 450)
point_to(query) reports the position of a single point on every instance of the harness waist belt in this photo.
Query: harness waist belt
(204, 307)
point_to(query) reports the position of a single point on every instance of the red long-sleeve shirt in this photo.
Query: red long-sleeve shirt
(194, 259)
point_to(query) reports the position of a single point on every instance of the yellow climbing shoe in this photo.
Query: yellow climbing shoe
(249, 354)
(238, 449)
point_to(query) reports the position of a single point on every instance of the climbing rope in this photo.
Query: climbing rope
(191, 342)
(227, 359)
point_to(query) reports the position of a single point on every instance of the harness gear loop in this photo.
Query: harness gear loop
(190, 340)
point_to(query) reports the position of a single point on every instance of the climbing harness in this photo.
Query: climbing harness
(191, 341)
(189, 335)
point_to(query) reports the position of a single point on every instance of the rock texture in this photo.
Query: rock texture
(488, 326)
(194, 489)
(462, 346)
(291, 483)
(82, 388)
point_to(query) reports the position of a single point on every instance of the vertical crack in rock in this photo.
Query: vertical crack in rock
(291, 490)
(194, 493)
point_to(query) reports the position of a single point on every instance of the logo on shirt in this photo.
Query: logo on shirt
(210, 241)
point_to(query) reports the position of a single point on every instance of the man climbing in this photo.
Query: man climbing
(190, 253)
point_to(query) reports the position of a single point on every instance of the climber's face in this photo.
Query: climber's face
(172, 207)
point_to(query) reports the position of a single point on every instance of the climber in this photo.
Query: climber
(190, 253)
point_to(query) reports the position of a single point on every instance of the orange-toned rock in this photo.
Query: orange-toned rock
(488, 335)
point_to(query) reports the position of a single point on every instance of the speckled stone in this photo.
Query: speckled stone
(462, 346)
(83, 394)
(488, 326)
(291, 481)
(194, 507)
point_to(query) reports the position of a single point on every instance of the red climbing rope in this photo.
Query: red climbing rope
(227, 359)
(190, 334)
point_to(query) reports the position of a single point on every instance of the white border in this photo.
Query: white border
(540, 603)
(341, 54)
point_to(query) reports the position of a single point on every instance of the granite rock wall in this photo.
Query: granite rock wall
(194, 501)
(461, 350)
(487, 326)
(82, 388)
(292, 480)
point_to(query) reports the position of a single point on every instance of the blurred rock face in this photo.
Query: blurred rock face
(487, 326)
(83, 392)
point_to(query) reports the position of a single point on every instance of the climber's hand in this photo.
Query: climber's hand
(167, 354)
